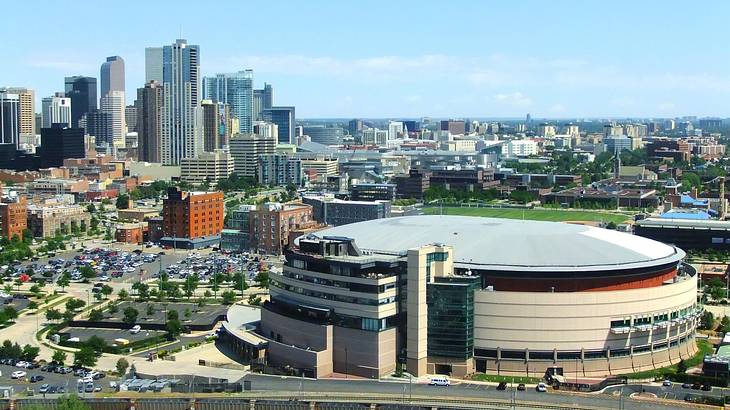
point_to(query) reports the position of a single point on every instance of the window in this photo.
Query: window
(625, 322)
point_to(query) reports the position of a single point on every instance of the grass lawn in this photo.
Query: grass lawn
(556, 215)
(508, 379)
(703, 348)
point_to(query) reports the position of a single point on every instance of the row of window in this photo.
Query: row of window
(355, 287)
(336, 298)
(341, 269)
(648, 319)
(576, 355)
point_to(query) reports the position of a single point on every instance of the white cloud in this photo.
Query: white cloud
(515, 99)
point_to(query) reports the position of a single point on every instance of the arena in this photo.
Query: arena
(455, 295)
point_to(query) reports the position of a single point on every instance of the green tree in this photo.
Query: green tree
(85, 357)
(75, 304)
(59, 357)
(681, 367)
(64, 280)
(90, 208)
(717, 293)
(122, 201)
(708, 321)
(150, 309)
(87, 272)
(106, 290)
(174, 326)
(97, 344)
(130, 315)
(95, 315)
(190, 284)
(239, 281)
(30, 353)
(113, 309)
(725, 324)
(123, 294)
(53, 314)
(229, 297)
(72, 402)
(122, 365)
(9, 313)
(262, 279)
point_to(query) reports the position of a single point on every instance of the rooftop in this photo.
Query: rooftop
(511, 245)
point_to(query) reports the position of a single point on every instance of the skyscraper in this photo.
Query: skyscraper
(216, 125)
(112, 96)
(262, 99)
(149, 121)
(235, 90)
(60, 142)
(112, 75)
(153, 64)
(285, 119)
(100, 125)
(113, 104)
(56, 110)
(130, 117)
(82, 92)
(182, 116)
(27, 110)
(9, 118)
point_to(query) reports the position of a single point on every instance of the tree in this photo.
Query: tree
(71, 402)
(90, 208)
(30, 353)
(9, 313)
(142, 290)
(229, 297)
(63, 280)
(75, 304)
(97, 344)
(122, 201)
(708, 321)
(59, 357)
(85, 357)
(106, 290)
(95, 315)
(113, 309)
(262, 279)
(130, 315)
(239, 281)
(681, 367)
(123, 294)
(150, 309)
(87, 272)
(725, 324)
(53, 314)
(254, 300)
(35, 290)
(190, 284)
(122, 365)
(174, 326)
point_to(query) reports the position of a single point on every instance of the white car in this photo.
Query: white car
(541, 387)
(18, 375)
(22, 364)
(135, 329)
(104, 278)
(667, 383)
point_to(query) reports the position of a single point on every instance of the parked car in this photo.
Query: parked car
(541, 387)
(36, 378)
(44, 388)
(667, 383)
(18, 374)
(135, 329)
(521, 387)
(502, 386)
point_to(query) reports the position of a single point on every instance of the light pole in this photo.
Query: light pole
(346, 366)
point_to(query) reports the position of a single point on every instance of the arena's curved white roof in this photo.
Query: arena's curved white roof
(512, 245)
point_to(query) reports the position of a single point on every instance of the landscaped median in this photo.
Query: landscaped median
(677, 372)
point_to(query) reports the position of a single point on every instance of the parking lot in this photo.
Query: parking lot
(109, 335)
(66, 383)
(198, 315)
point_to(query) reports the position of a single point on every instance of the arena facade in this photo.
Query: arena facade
(455, 295)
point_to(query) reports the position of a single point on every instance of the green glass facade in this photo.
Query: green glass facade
(451, 317)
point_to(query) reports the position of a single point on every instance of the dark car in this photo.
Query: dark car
(686, 385)
(502, 386)
(521, 387)
(706, 387)
(696, 386)
(36, 378)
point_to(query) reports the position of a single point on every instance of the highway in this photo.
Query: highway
(305, 387)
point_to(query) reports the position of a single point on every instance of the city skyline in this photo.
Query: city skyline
(561, 60)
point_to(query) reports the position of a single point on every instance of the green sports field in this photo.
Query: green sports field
(532, 214)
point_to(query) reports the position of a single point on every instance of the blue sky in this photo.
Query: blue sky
(403, 58)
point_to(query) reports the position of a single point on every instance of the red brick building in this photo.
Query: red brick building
(272, 223)
(192, 219)
(131, 233)
(13, 217)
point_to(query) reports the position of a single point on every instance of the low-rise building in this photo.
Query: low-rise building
(46, 221)
(331, 211)
(131, 233)
(13, 216)
(236, 236)
(272, 222)
(372, 192)
(206, 167)
(137, 214)
(192, 219)
(279, 169)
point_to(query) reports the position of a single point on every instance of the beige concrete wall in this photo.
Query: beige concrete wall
(296, 332)
(281, 355)
(350, 309)
(369, 354)
(576, 320)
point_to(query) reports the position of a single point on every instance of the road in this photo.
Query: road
(296, 385)
(673, 392)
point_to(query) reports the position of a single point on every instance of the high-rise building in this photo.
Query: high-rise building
(9, 118)
(182, 116)
(285, 119)
(262, 99)
(266, 129)
(216, 125)
(82, 92)
(279, 169)
(355, 127)
(100, 125)
(149, 121)
(56, 110)
(130, 118)
(395, 129)
(112, 75)
(207, 167)
(113, 104)
(455, 127)
(324, 135)
(235, 90)
(27, 110)
(60, 142)
(153, 64)
(245, 150)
